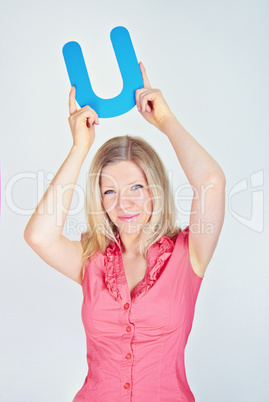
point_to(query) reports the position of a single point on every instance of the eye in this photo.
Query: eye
(138, 185)
(108, 192)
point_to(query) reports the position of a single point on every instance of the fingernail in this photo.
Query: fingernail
(148, 108)
(138, 108)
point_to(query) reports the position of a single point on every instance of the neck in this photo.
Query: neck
(129, 243)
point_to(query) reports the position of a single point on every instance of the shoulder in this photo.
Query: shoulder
(183, 244)
(182, 236)
(87, 259)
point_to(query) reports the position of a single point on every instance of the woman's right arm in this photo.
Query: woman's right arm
(43, 232)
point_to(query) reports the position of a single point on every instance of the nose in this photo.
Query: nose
(125, 202)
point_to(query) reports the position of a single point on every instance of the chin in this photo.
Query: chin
(131, 228)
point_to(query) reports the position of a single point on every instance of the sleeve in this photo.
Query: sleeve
(193, 280)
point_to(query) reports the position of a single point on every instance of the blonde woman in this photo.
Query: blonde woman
(140, 273)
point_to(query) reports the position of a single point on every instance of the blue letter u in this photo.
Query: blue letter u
(129, 69)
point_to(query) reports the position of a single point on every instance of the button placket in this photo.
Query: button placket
(126, 349)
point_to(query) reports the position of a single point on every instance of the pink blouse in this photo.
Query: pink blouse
(136, 343)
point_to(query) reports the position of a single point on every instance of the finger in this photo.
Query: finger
(144, 99)
(88, 113)
(148, 108)
(138, 93)
(90, 121)
(96, 118)
(146, 83)
(144, 102)
(72, 101)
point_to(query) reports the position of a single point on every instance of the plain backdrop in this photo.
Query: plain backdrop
(210, 60)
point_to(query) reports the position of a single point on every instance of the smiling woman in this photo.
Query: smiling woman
(127, 179)
(140, 273)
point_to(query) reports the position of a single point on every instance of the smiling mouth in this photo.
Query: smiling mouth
(128, 218)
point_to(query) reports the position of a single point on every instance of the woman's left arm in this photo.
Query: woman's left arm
(202, 171)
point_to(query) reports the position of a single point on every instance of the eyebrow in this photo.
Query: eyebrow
(136, 181)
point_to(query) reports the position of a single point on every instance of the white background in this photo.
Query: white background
(210, 60)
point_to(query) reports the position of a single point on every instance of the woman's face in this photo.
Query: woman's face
(125, 196)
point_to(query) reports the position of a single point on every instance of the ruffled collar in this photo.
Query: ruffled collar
(115, 278)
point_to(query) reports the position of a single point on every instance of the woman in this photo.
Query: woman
(139, 272)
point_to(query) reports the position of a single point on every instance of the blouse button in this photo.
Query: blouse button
(128, 329)
(126, 305)
(128, 356)
(126, 385)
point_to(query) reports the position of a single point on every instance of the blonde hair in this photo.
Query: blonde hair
(101, 230)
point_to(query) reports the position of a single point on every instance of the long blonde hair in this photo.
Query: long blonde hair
(101, 230)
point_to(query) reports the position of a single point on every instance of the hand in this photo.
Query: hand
(150, 102)
(81, 122)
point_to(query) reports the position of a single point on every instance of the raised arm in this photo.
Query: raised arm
(43, 232)
(202, 171)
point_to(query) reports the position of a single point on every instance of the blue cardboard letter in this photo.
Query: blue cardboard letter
(129, 69)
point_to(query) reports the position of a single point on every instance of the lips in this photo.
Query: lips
(128, 218)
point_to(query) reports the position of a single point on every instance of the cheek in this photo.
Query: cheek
(147, 204)
(109, 203)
